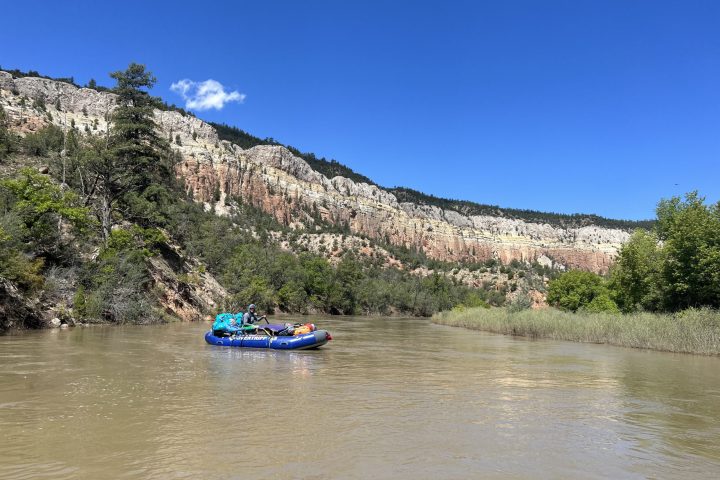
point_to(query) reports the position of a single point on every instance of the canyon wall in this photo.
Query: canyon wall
(273, 179)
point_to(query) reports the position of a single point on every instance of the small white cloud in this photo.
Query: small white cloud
(205, 95)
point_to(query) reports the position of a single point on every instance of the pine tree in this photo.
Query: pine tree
(132, 157)
(134, 139)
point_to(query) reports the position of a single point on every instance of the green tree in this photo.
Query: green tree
(576, 289)
(247, 261)
(601, 303)
(259, 292)
(635, 280)
(133, 156)
(690, 232)
(292, 297)
(72, 143)
(40, 204)
(442, 289)
(318, 279)
(33, 210)
(283, 269)
(134, 137)
(376, 295)
(343, 290)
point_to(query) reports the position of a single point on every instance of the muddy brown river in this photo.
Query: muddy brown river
(387, 398)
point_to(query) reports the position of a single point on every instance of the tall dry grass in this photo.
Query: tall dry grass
(690, 331)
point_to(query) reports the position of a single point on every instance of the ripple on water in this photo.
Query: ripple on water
(393, 398)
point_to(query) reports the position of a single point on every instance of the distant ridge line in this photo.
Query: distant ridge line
(332, 168)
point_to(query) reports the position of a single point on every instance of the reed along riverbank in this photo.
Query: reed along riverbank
(690, 331)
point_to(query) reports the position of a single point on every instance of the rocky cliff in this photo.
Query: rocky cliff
(274, 180)
(16, 311)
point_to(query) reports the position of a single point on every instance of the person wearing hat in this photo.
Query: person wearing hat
(250, 317)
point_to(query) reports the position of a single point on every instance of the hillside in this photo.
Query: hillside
(333, 168)
(283, 200)
(95, 227)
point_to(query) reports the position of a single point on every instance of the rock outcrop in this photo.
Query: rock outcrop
(16, 311)
(274, 180)
(186, 291)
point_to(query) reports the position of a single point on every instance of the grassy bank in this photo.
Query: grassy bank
(691, 331)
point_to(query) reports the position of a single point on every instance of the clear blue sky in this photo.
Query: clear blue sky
(593, 106)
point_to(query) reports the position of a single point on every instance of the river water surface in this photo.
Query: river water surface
(387, 398)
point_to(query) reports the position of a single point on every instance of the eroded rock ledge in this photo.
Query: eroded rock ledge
(273, 179)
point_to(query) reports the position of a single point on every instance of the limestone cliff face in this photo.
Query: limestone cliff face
(276, 181)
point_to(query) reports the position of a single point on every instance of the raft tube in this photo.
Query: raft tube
(306, 341)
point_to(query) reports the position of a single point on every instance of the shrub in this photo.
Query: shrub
(292, 297)
(19, 269)
(45, 141)
(79, 303)
(519, 303)
(117, 284)
(260, 293)
(575, 289)
(601, 303)
(472, 300)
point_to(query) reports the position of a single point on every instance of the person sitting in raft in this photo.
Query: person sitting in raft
(250, 317)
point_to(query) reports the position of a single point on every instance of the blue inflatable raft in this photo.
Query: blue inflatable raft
(305, 341)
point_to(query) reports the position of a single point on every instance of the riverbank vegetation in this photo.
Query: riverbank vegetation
(690, 331)
(675, 266)
(663, 292)
(242, 254)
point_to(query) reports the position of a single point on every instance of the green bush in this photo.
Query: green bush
(116, 285)
(473, 299)
(575, 289)
(18, 267)
(601, 303)
(33, 210)
(519, 303)
(292, 297)
(635, 277)
(79, 303)
(44, 142)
